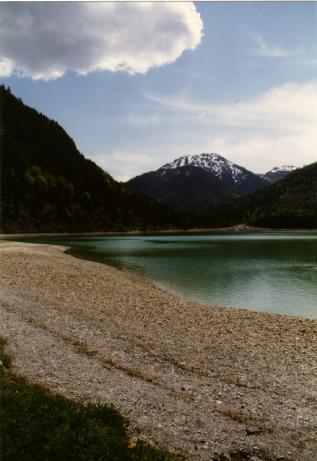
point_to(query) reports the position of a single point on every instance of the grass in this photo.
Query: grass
(39, 426)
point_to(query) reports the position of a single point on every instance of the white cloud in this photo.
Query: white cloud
(266, 51)
(260, 153)
(291, 104)
(43, 40)
(127, 164)
(278, 127)
(5, 67)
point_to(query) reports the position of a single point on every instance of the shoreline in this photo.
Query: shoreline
(76, 252)
(238, 229)
(71, 250)
(196, 378)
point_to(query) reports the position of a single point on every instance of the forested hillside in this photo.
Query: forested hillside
(289, 203)
(187, 188)
(48, 186)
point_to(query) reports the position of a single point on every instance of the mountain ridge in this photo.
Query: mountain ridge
(227, 181)
(48, 185)
(277, 173)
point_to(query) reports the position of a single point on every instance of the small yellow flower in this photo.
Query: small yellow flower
(132, 445)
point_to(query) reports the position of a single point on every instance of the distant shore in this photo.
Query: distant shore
(240, 228)
(198, 379)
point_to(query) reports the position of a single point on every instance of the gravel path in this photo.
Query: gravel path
(197, 379)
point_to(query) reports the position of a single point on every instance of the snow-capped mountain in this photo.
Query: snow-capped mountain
(198, 182)
(213, 163)
(278, 172)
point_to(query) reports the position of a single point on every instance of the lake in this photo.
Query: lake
(273, 272)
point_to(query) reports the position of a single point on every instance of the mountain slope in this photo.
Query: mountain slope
(197, 182)
(238, 179)
(47, 185)
(289, 203)
(277, 173)
(187, 188)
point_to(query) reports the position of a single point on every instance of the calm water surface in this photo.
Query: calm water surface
(273, 272)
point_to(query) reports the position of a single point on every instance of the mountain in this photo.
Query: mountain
(238, 179)
(278, 173)
(197, 183)
(290, 202)
(185, 188)
(47, 185)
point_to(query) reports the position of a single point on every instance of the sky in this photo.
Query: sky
(137, 85)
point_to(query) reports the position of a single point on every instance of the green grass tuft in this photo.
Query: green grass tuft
(39, 426)
(4, 357)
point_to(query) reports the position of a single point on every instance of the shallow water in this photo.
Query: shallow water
(273, 272)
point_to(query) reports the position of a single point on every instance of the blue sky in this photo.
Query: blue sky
(239, 79)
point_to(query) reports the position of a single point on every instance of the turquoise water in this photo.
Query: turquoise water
(273, 272)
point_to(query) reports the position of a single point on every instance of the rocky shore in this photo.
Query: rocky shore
(205, 382)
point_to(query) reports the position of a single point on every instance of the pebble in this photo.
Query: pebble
(225, 456)
(253, 430)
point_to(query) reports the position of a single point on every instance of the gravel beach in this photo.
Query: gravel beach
(204, 382)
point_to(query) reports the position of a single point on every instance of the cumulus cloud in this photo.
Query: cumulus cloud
(44, 40)
(275, 128)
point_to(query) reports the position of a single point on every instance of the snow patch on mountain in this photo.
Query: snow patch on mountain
(287, 168)
(210, 162)
(278, 172)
